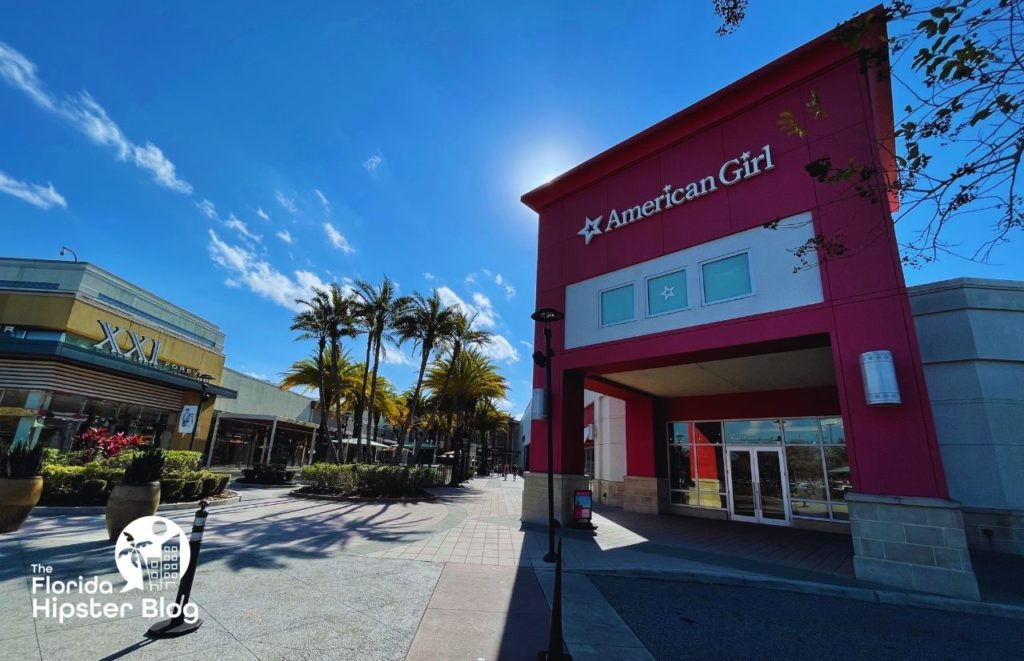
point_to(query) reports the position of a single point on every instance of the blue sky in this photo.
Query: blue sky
(227, 156)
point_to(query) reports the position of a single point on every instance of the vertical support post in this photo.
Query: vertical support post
(177, 626)
(556, 643)
(550, 556)
(213, 439)
(270, 443)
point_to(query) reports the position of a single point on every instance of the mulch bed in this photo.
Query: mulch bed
(310, 494)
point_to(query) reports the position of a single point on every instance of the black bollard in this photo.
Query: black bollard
(177, 626)
(556, 645)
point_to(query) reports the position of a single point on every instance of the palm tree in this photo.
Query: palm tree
(488, 419)
(377, 308)
(461, 383)
(341, 384)
(341, 323)
(313, 323)
(426, 321)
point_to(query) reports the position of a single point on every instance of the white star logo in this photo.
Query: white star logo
(591, 228)
(668, 292)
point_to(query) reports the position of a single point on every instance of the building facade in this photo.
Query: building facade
(764, 377)
(82, 348)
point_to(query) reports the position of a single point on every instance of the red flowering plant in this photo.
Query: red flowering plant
(97, 442)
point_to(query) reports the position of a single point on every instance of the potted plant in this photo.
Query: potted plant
(20, 484)
(138, 493)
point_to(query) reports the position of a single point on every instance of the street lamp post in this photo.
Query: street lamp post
(205, 380)
(547, 316)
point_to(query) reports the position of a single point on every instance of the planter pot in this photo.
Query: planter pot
(129, 502)
(17, 498)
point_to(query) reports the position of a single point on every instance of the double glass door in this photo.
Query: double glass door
(757, 481)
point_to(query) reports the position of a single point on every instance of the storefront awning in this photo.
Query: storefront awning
(266, 418)
(84, 357)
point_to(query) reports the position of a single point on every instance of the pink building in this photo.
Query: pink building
(757, 386)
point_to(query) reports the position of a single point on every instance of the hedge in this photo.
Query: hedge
(387, 481)
(92, 483)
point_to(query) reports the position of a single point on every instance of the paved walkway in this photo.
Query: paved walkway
(454, 578)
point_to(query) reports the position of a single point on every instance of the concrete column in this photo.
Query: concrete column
(213, 439)
(911, 543)
(535, 496)
(270, 443)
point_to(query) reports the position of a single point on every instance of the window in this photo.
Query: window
(752, 432)
(696, 471)
(666, 293)
(617, 305)
(727, 278)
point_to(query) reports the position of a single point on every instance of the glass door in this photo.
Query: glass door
(757, 485)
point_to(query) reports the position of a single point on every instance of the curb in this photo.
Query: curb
(163, 507)
(360, 499)
(891, 597)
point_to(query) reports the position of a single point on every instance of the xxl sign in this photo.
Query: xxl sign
(136, 349)
(732, 172)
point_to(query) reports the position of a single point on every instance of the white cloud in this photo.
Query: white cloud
(393, 356)
(208, 209)
(245, 269)
(263, 214)
(500, 349)
(337, 240)
(528, 345)
(510, 292)
(471, 279)
(428, 276)
(90, 118)
(257, 375)
(323, 199)
(480, 310)
(285, 236)
(239, 226)
(44, 197)
(288, 203)
(374, 162)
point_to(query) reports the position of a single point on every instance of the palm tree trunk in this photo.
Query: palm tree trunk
(424, 357)
(324, 411)
(372, 420)
(361, 400)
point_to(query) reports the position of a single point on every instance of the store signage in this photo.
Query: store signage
(137, 351)
(730, 173)
(187, 419)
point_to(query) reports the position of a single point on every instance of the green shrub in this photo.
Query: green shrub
(267, 474)
(329, 478)
(222, 483)
(145, 468)
(181, 461)
(170, 489)
(191, 490)
(97, 470)
(385, 481)
(74, 485)
(209, 482)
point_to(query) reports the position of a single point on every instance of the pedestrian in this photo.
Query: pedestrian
(504, 472)
(515, 471)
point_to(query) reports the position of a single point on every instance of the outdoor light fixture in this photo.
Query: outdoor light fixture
(65, 250)
(547, 316)
(878, 371)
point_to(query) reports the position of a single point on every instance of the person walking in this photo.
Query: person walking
(515, 471)
(504, 472)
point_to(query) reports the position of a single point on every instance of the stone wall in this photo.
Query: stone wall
(535, 496)
(1001, 531)
(911, 543)
(608, 492)
(644, 494)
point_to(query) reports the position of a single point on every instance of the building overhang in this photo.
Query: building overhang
(69, 353)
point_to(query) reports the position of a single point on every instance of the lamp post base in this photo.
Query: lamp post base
(550, 557)
(172, 629)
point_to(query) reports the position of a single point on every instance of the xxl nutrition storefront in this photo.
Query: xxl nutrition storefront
(759, 382)
(82, 348)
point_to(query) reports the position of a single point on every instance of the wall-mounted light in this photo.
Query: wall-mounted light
(878, 372)
(537, 404)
